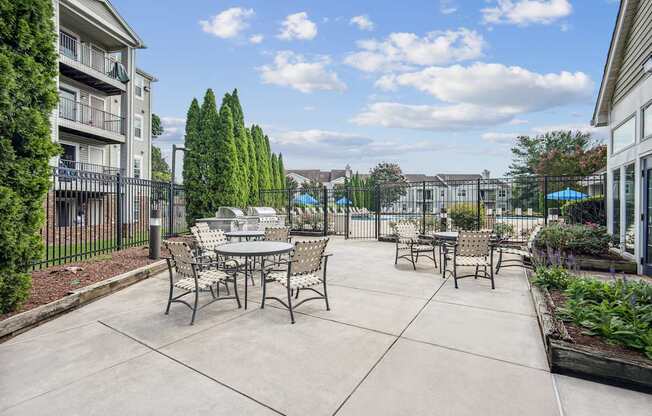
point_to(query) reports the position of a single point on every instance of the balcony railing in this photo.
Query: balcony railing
(65, 165)
(85, 114)
(88, 56)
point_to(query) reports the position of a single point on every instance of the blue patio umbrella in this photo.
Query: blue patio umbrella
(343, 201)
(305, 199)
(567, 194)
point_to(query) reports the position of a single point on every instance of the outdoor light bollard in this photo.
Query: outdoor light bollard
(155, 235)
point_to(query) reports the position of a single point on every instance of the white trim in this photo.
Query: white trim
(101, 149)
(73, 144)
(103, 99)
(142, 127)
(73, 34)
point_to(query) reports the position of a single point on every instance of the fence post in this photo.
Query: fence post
(289, 201)
(325, 208)
(118, 211)
(477, 197)
(545, 200)
(170, 211)
(347, 195)
(377, 206)
(423, 207)
(604, 192)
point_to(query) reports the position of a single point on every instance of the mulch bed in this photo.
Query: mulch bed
(55, 282)
(577, 335)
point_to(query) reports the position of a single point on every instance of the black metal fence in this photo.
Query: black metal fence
(91, 213)
(516, 205)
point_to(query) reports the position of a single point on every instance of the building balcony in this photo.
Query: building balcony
(68, 167)
(88, 121)
(91, 66)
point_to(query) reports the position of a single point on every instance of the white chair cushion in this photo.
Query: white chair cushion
(298, 281)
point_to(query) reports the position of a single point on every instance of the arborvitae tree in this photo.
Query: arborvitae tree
(264, 180)
(274, 170)
(194, 168)
(241, 144)
(225, 162)
(281, 172)
(28, 69)
(268, 155)
(253, 170)
(209, 131)
(354, 195)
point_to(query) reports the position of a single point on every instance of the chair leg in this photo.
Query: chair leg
(328, 308)
(414, 266)
(296, 296)
(455, 274)
(264, 284)
(476, 272)
(491, 267)
(396, 257)
(434, 258)
(194, 308)
(290, 305)
(500, 259)
(167, 310)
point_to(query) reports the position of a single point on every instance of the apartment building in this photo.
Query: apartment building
(103, 119)
(104, 115)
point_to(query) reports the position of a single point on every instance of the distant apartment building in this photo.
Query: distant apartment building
(103, 119)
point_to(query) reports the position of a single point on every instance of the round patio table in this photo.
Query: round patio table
(446, 235)
(252, 250)
(246, 234)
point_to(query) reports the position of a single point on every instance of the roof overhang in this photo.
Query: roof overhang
(124, 33)
(626, 14)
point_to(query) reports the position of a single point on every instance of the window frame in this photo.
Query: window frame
(138, 158)
(142, 127)
(142, 86)
(646, 106)
(619, 125)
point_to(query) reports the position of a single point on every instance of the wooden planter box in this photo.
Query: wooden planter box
(565, 357)
(605, 265)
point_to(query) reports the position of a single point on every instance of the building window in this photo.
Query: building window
(137, 210)
(502, 193)
(138, 127)
(461, 193)
(138, 166)
(615, 206)
(624, 135)
(442, 194)
(139, 84)
(647, 122)
(630, 223)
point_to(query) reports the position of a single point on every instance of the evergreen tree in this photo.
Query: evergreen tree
(28, 95)
(268, 155)
(264, 180)
(241, 144)
(281, 172)
(253, 169)
(225, 184)
(194, 169)
(209, 132)
(274, 170)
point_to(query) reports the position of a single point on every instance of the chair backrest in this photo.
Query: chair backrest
(277, 234)
(307, 255)
(406, 231)
(210, 239)
(202, 226)
(473, 243)
(182, 258)
(265, 222)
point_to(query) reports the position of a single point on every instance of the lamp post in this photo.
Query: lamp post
(174, 159)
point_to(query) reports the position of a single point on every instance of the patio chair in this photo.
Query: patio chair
(473, 249)
(303, 273)
(519, 248)
(193, 277)
(408, 242)
(277, 234)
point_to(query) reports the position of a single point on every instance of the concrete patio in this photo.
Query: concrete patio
(396, 342)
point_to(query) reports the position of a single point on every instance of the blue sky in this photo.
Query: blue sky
(437, 86)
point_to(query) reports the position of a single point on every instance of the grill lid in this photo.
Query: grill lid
(262, 211)
(229, 212)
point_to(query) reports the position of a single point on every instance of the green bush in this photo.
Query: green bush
(28, 95)
(588, 239)
(620, 311)
(503, 230)
(464, 215)
(586, 211)
(552, 278)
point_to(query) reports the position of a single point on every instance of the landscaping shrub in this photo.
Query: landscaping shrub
(28, 95)
(590, 210)
(503, 230)
(552, 278)
(587, 239)
(464, 215)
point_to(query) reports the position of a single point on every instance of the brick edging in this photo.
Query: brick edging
(26, 320)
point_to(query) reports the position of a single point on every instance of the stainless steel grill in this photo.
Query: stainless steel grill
(261, 211)
(234, 219)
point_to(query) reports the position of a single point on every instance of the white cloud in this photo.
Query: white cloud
(363, 22)
(518, 122)
(401, 51)
(228, 23)
(309, 108)
(340, 145)
(256, 39)
(525, 12)
(447, 6)
(293, 70)
(298, 26)
(434, 118)
(513, 89)
(494, 137)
